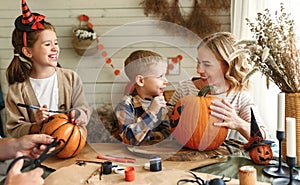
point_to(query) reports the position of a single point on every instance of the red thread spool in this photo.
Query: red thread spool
(129, 173)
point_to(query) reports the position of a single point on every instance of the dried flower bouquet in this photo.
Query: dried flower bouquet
(274, 51)
(84, 37)
(85, 29)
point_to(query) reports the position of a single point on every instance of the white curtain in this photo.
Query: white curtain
(242, 9)
(266, 99)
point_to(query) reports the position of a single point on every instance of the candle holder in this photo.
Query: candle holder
(291, 161)
(279, 171)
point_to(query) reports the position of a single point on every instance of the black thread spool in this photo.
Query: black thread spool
(155, 164)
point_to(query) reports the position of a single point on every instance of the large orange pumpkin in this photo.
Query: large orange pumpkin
(59, 126)
(192, 124)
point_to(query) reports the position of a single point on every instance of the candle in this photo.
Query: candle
(247, 175)
(281, 112)
(291, 137)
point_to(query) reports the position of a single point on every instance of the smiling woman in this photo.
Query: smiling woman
(215, 69)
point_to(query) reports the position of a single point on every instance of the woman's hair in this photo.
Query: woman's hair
(222, 46)
(20, 67)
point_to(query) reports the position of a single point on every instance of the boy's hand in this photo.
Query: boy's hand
(157, 103)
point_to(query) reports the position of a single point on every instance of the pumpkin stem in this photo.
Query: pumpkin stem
(206, 89)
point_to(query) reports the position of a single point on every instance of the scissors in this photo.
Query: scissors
(37, 162)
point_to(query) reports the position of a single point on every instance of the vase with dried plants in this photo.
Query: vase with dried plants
(274, 53)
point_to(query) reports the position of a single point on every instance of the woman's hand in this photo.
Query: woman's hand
(224, 111)
(33, 145)
(16, 177)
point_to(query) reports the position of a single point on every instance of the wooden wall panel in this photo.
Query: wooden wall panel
(134, 31)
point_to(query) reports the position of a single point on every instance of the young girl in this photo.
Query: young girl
(35, 79)
(215, 69)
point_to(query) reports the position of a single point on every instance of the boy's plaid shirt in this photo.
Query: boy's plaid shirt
(135, 125)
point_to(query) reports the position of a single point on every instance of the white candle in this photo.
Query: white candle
(291, 137)
(281, 112)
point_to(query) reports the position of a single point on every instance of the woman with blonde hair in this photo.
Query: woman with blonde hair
(215, 69)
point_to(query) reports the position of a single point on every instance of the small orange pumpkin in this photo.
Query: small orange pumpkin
(192, 124)
(261, 154)
(59, 126)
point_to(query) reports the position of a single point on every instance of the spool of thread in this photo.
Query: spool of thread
(155, 164)
(129, 173)
(119, 170)
(247, 175)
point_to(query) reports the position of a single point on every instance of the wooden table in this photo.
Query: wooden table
(70, 173)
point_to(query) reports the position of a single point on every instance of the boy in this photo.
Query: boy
(141, 116)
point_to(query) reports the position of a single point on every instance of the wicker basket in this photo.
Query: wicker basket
(292, 109)
(84, 46)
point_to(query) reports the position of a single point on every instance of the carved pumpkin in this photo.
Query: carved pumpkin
(259, 149)
(192, 124)
(261, 154)
(59, 126)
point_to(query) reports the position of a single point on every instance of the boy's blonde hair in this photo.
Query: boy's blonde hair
(143, 62)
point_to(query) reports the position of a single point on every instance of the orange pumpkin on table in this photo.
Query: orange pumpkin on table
(192, 124)
(59, 126)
